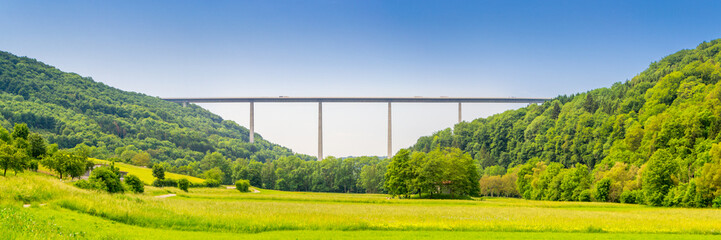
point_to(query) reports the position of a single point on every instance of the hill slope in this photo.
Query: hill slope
(74, 111)
(146, 174)
(670, 112)
(674, 104)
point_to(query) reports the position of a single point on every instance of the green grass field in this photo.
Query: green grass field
(59, 210)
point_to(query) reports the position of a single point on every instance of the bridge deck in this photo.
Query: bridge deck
(360, 99)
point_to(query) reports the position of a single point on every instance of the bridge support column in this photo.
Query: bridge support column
(185, 104)
(252, 122)
(459, 113)
(320, 131)
(390, 132)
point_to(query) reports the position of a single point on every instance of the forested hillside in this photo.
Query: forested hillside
(652, 139)
(106, 123)
(77, 112)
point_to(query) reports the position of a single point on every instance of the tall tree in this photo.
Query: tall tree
(141, 159)
(658, 178)
(603, 187)
(590, 104)
(12, 158)
(38, 147)
(158, 171)
(21, 130)
(399, 176)
(372, 178)
(67, 162)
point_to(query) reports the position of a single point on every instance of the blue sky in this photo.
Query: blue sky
(355, 48)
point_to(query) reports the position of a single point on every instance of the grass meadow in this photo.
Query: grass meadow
(146, 174)
(58, 210)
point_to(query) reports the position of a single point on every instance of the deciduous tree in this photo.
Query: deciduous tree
(135, 184)
(658, 178)
(183, 184)
(20, 130)
(158, 171)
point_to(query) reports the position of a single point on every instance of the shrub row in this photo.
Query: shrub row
(169, 182)
(108, 180)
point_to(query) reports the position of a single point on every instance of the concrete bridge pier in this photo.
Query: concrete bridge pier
(320, 131)
(459, 113)
(252, 123)
(390, 133)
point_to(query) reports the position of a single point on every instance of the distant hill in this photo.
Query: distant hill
(74, 111)
(675, 104)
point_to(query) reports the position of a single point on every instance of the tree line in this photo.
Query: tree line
(25, 150)
(291, 173)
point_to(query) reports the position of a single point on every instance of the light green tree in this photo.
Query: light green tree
(20, 130)
(12, 158)
(658, 178)
(66, 162)
(399, 176)
(214, 174)
(603, 187)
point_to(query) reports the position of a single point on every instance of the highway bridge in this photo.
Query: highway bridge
(321, 100)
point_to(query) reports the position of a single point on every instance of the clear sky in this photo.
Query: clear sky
(355, 48)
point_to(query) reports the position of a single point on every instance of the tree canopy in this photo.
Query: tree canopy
(76, 112)
(655, 133)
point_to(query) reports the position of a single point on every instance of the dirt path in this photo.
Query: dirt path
(165, 196)
(28, 205)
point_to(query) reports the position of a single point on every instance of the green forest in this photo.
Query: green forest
(653, 139)
(76, 112)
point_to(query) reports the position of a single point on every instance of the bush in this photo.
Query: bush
(183, 184)
(444, 196)
(585, 196)
(169, 182)
(627, 197)
(640, 197)
(717, 202)
(212, 183)
(242, 185)
(675, 196)
(527, 194)
(207, 183)
(104, 178)
(85, 184)
(632, 197)
(135, 184)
